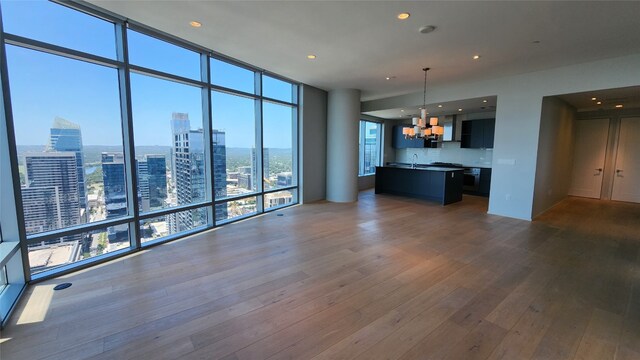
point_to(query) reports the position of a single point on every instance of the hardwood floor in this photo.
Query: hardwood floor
(384, 278)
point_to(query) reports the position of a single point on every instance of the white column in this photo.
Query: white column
(342, 145)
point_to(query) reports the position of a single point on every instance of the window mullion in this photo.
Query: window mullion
(294, 138)
(208, 139)
(127, 134)
(259, 141)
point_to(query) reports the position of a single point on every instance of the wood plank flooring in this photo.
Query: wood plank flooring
(384, 278)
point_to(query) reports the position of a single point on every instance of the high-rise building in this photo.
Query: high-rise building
(284, 179)
(50, 195)
(115, 189)
(115, 193)
(278, 198)
(142, 173)
(220, 171)
(245, 169)
(180, 124)
(219, 163)
(66, 136)
(41, 209)
(157, 180)
(152, 182)
(255, 169)
(245, 179)
(189, 171)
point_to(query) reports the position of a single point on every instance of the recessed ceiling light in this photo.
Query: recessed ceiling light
(402, 110)
(403, 16)
(459, 109)
(599, 103)
(619, 105)
(439, 105)
(476, 57)
(484, 101)
(311, 57)
(195, 24)
(426, 29)
(594, 99)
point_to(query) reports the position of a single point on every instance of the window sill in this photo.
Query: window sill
(7, 250)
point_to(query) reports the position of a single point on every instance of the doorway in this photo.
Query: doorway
(606, 143)
(627, 164)
(606, 164)
(589, 152)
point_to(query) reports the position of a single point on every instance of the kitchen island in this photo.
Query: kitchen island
(442, 184)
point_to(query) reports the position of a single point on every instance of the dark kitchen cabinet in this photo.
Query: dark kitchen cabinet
(485, 182)
(487, 133)
(438, 184)
(478, 134)
(398, 140)
(472, 134)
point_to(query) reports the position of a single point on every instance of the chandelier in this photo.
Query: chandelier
(421, 128)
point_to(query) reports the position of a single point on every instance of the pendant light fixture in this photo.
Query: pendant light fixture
(421, 128)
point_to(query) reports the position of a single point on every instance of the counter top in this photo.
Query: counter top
(423, 168)
(399, 164)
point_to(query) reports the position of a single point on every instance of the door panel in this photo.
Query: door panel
(588, 157)
(626, 179)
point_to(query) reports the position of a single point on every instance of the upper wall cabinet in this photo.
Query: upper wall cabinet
(478, 134)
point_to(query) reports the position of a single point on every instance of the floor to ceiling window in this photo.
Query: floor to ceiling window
(122, 137)
(68, 134)
(369, 145)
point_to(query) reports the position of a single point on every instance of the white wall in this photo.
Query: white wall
(518, 119)
(313, 144)
(555, 154)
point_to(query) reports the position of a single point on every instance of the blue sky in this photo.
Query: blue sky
(44, 86)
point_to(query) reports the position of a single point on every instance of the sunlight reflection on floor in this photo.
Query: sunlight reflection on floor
(38, 303)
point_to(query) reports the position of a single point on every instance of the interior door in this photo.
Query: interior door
(588, 157)
(626, 179)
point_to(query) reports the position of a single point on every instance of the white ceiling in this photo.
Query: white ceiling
(359, 43)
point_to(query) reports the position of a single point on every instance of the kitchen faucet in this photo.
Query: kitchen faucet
(415, 160)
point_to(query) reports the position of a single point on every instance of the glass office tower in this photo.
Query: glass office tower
(67, 136)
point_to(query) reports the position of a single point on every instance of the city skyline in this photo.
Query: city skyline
(69, 132)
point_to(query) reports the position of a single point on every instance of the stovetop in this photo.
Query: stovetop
(446, 164)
